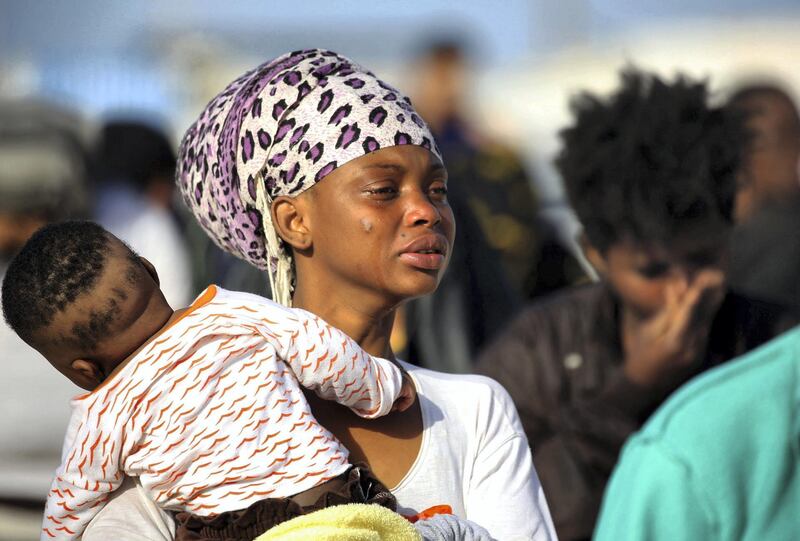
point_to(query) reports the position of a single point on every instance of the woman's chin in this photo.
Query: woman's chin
(418, 285)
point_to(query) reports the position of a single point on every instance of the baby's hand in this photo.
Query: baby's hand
(407, 396)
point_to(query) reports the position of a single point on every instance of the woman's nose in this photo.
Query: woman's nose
(421, 210)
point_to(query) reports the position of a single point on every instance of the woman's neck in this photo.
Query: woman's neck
(369, 325)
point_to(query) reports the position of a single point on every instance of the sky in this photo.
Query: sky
(102, 54)
(504, 30)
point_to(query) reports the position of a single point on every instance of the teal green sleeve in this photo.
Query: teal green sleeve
(652, 496)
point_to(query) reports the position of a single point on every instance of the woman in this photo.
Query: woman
(314, 170)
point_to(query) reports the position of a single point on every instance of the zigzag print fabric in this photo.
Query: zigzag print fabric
(210, 415)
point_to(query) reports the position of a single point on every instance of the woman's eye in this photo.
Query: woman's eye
(440, 191)
(381, 191)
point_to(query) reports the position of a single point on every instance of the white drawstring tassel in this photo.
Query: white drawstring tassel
(280, 265)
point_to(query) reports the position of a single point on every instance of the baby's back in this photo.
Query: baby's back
(207, 415)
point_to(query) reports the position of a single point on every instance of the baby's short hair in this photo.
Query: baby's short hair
(59, 262)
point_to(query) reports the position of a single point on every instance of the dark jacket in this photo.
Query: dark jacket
(561, 361)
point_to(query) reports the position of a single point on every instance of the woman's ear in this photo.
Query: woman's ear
(291, 221)
(86, 374)
(151, 270)
(593, 255)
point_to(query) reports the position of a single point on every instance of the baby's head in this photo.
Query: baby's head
(83, 299)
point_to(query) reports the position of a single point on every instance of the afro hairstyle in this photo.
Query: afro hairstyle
(653, 163)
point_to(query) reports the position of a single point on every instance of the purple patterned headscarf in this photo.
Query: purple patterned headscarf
(278, 130)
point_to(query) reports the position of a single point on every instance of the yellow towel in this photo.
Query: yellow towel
(350, 522)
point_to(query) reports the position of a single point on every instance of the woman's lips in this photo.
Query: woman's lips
(426, 252)
(423, 261)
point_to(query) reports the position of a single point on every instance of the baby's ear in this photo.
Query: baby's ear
(151, 270)
(86, 374)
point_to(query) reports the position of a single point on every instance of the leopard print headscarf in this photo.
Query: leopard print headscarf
(278, 130)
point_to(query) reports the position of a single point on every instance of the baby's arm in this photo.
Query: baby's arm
(330, 363)
(72, 504)
(82, 484)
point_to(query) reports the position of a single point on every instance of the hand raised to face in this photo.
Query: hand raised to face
(665, 348)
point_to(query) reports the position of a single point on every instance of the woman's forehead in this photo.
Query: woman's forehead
(397, 161)
(398, 158)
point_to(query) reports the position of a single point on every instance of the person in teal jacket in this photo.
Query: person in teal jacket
(719, 460)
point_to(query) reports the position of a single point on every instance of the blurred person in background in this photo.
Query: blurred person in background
(493, 182)
(651, 174)
(134, 178)
(502, 254)
(765, 247)
(43, 175)
(134, 181)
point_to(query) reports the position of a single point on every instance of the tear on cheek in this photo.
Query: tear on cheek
(366, 225)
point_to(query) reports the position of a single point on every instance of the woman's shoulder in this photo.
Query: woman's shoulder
(467, 396)
(485, 386)
(249, 305)
(229, 296)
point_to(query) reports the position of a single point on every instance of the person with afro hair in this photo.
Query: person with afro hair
(651, 173)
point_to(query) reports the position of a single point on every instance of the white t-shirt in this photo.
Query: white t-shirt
(474, 457)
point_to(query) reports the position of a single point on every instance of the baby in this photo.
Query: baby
(203, 404)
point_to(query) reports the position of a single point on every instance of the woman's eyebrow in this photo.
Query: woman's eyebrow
(392, 166)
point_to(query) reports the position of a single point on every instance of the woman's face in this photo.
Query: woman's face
(382, 222)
